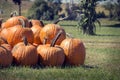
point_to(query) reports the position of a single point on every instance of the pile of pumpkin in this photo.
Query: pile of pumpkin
(29, 42)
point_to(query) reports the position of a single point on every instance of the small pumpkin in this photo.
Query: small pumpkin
(74, 50)
(24, 54)
(36, 22)
(50, 31)
(17, 32)
(5, 54)
(51, 55)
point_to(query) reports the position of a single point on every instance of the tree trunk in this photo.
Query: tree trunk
(19, 9)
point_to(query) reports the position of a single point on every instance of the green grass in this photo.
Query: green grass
(102, 58)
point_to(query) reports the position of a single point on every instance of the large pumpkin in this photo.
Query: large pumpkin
(24, 54)
(49, 31)
(5, 55)
(51, 55)
(74, 51)
(17, 32)
(14, 21)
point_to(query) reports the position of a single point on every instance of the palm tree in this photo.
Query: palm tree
(18, 2)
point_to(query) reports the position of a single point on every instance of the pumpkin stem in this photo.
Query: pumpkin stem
(69, 35)
(41, 23)
(55, 39)
(14, 13)
(1, 19)
(23, 22)
(45, 40)
(25, 40)
(3, 40)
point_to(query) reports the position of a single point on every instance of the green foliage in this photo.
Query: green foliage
(88, 17)
(43, 10)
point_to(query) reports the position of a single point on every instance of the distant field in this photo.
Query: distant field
(102, 57)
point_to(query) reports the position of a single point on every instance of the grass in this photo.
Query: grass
(102, 58)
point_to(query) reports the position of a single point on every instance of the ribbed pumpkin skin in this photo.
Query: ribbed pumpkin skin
(36, 31)
(49, 31)
(50, 56)
(36, 22)
(4, 33)
(14, 21)
(16, 34)
(74, 51)
(5, 55)
(24, 55)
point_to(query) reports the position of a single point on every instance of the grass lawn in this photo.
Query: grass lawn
(102, 58)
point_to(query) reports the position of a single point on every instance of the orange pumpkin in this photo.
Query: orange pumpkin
(4, 33)
(51, 55)
(24, 54)
(14, 21)
(36, 22)
(36, 31)
(5, 55)
(50, 31)
(74, 51)
(17, 32)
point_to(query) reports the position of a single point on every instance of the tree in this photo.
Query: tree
(45, 10)
(87, 16)
(114, 8)
(18, 2)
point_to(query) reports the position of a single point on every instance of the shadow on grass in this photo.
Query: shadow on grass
(107, 35)
(70, 25)
(57, 67)
(89, 66)
(114, 25)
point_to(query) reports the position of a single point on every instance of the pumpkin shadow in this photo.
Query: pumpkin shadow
(89, 66)
(83, 66)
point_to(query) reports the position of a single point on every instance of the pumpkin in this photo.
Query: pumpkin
(74, 50)
(4, 33)
(14, 21)
(36, 22)
(50, 31)
(51, 55)
(36, 31)
(17, 32)
(5, 54)
(24, 54)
